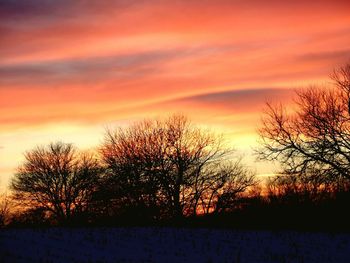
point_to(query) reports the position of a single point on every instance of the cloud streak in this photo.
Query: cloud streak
(244, 100)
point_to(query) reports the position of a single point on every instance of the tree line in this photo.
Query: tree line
(154, 170)
(171, 170)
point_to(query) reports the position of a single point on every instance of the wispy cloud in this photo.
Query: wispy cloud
(243, 100)
(333, 56)
(89, 68)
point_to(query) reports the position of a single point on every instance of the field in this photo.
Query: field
(170, 245)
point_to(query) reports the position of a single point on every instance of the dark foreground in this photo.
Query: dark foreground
(170, 245)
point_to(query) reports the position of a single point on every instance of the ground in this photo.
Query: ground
(170, 245)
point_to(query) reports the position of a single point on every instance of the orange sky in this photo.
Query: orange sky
(68, 69)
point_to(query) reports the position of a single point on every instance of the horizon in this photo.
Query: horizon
(68, 70)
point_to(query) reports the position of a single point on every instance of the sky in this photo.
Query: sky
(69, 69)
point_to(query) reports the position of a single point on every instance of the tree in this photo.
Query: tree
(315, 138)
(56, 179)
(300, 189)
(5, 205)
(169, 165)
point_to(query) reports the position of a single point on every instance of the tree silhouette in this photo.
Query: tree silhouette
(171, 166)
(5, 204)
(315, 138)
(56, 179)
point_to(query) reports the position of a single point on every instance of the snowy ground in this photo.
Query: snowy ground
(170, 245)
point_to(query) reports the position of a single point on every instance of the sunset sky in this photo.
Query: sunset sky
(69, 69)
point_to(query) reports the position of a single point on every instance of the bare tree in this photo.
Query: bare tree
(303, 188)
(219, 186)
(341, 77)
(133, 158)
(315, 138)
(168, 163)
(57, 179)
(5, 204)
